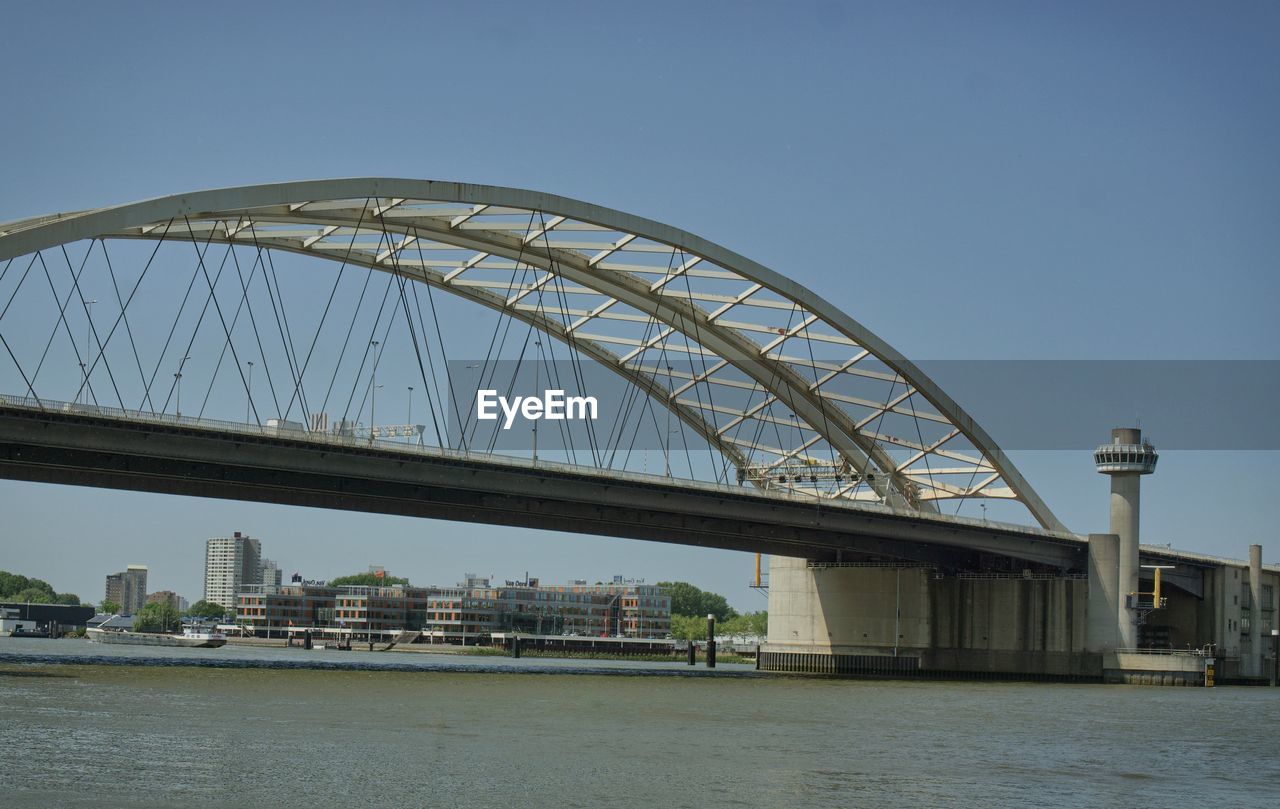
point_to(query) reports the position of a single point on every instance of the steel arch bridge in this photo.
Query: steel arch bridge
(760, 353)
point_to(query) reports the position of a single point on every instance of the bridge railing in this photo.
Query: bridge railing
(335, 439)
(1187, 652)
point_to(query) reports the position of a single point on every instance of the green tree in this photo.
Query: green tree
(688, 627)
(206, 609)
(751, 623)
(156, 617)
(16, 587)
(67, 598)
(109, 607)
(32, 595)
(687, 599)
(11, 584)
(367, 580)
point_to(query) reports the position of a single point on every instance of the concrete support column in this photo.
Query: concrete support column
(1103, 631)
(1255, 611)
(1125, 492)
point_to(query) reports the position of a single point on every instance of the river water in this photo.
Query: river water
(98, 726)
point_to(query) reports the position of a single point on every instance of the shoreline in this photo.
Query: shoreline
(256, 656)
(325, 665)
(495, 651)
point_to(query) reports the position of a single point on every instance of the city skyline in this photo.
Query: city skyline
(447, 579)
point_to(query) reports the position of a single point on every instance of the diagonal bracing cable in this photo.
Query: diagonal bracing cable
(18, 365)
(444, 356)
(52, 334)
(222, 353)
(62, 321)
(401, 281)
(282, 322)
(575, 354)
(93, 330)
(137, 358)
(615, 436)
(386, 293)
(218, 308)
(195, 332)
(324, 405)
(253, 324)
(18, 288)
(346, 258)
(503, 319)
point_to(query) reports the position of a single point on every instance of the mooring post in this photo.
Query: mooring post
(711, 640)
(515, 645)
(693, 652)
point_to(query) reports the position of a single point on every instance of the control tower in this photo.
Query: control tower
(1126, 459)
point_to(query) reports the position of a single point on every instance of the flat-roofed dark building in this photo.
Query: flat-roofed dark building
(48, 618)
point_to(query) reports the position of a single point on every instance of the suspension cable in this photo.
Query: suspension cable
(235, 319)
(62, 321)
(218, 308)
(346, 258)
(133, 345)
(195, 332)
(282, 322)
(431, 303)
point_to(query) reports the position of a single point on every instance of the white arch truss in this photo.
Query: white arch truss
(627, 287)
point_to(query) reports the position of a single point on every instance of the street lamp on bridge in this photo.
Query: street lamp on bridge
(177, 386)
(248, 390)
(88, 334)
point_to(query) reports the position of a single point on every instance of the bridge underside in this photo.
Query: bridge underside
(79, 448)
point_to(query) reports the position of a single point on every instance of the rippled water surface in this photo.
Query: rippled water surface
(82, 725)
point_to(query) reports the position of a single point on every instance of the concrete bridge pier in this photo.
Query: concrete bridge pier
(1103, 633)
(911, 619)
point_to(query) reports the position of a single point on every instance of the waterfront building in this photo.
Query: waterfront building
(463, 611)
(230, 564)
(634, 609)
(166, 597)
(128, 588)
(621, 608)
(270, 609)
(472, 609)
(42, 619)
(625, 608)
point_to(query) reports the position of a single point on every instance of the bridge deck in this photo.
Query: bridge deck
(94, 446)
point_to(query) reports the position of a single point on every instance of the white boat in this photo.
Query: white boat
(189, 638)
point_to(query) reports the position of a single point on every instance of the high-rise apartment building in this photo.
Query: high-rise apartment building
(115, 587)
(167, 597)
(128, 589)
(270, 575)
(230, 563)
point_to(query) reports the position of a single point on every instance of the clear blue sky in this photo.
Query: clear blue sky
(972, 181)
